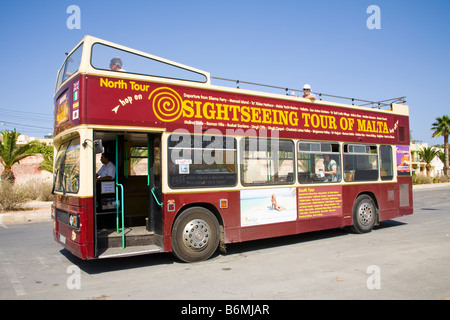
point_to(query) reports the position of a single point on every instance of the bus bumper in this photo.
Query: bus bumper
(63, 235)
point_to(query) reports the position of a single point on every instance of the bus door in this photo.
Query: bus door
(154, 184)
(138, 181)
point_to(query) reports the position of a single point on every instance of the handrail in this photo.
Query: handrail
(123, 213)
(122, 202)
(156, 198)
(379, 104)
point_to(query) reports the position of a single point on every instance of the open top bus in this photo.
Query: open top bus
(198, 166)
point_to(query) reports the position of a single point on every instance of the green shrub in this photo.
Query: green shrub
(37, 189)
(421, 179)
(12, 197)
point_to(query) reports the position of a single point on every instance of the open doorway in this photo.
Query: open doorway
(128, 207)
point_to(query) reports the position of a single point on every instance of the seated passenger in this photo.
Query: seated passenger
(108, 170)
(330, 168)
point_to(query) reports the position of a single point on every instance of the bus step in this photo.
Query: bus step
(118, 252)
(134, 236)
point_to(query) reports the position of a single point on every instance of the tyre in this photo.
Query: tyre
(364, 214)
(195, 235)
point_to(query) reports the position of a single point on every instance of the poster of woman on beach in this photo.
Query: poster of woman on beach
(264, 206)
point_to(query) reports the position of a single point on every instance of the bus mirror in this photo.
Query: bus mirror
(98, 147)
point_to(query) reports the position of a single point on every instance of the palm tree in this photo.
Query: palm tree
(11, 154)
(442, 128)
(47, 154)
(427, 154)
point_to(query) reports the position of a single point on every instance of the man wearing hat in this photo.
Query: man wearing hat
(307, 92)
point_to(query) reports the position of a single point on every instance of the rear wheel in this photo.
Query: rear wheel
(195, 235)
(364, 214)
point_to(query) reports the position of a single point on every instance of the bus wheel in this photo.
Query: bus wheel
(195, 235)
(364, 214)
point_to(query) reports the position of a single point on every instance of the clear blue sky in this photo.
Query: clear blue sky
(283, 43)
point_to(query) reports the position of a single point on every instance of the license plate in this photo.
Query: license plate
(62, 239)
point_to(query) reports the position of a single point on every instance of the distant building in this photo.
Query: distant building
(23, 139)
(418, 166)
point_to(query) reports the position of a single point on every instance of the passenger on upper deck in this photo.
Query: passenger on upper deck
(116, 64)
(307, 92)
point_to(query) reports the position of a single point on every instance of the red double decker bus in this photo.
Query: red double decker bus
(188, 167)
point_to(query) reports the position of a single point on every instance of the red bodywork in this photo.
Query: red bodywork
(123, 102)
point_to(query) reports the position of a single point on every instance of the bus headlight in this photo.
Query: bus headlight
(74, 220)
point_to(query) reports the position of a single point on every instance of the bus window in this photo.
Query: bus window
(386, 163)
(138, 161)
(267, 161)
(360, 162)
(319, 162)
(133, 63)
(67, 167)
(70, 66)
(201, 161)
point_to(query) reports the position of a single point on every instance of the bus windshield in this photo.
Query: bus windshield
(70, 66)
(67, 167)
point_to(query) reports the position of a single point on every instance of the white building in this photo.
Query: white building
(419, 166)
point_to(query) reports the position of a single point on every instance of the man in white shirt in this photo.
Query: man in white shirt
(108, 170)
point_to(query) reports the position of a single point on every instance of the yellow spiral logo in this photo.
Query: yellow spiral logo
(167, 104)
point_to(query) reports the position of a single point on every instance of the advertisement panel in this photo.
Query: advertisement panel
(264, 206)
(403, 160)
(137, 103)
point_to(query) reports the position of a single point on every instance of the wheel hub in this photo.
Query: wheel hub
(365, 214)
(196, 234)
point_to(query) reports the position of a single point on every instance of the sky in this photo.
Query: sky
(286, 43)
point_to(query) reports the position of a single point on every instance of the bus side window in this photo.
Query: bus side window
(201, 161)
(360, 162)
(386, 163)
(319, 162)
(267, 161)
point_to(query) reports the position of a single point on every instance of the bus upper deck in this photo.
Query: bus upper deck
(171, 95)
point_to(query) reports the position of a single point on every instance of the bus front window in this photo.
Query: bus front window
(109, 58)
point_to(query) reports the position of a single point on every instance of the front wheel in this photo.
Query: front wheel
(364, 214)
(195, 235)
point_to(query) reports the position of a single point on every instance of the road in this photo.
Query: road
(405, 258)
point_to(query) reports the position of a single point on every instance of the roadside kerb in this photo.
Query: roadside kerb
(34, 211)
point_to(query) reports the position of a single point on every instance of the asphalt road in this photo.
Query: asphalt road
(405, 258)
